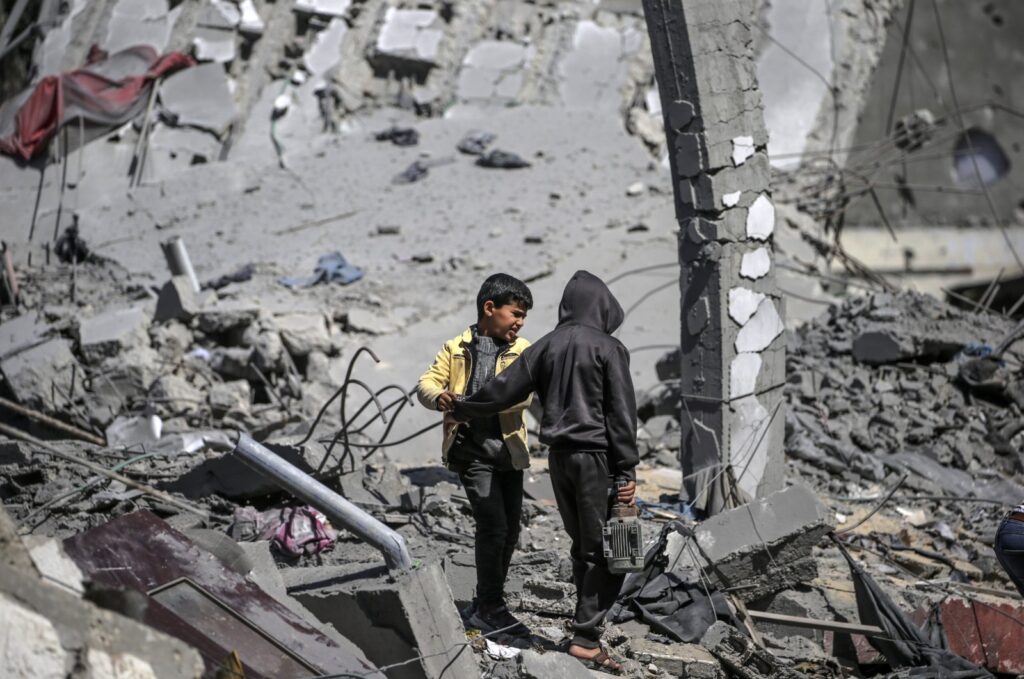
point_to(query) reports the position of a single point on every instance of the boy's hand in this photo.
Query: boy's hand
(626, 493)
(446, 401)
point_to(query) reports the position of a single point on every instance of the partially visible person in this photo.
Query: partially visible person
(1009, 546)
(489, 453)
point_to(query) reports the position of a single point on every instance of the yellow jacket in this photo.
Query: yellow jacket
(451, 370)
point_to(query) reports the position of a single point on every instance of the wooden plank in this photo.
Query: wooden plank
(810, 623)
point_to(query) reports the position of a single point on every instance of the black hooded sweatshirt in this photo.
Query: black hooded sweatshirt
(581, 374)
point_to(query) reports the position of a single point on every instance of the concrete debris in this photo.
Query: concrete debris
(534, 665)
(408, 40)
(112, 332)
(199, 96)
(40, 377)
(177, 301)
(767, 545)
(741, 656)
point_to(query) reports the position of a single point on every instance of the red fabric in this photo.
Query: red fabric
(43, 112)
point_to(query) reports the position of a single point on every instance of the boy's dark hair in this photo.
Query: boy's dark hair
(503, 289)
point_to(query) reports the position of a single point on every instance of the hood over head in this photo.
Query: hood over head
(587, 301)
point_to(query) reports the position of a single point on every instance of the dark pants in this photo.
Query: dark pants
(584, 490)
(1010, 550)
(497, 501)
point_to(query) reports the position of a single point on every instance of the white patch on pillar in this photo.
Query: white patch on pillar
(761, 219)
(748, 443)
(731, 199)
(743, 302)
(761, 330)
(742, 148)
(756, 264)
(743, 374)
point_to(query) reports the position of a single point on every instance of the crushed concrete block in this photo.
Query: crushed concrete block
(139, 22)
(678, 660)
(199, 96)
(534, 665)
(34, 374)
(765, 545)
(226, 397)
(220, 319)
(54, 564)
(741, 656)
(325, 52)
(303, 332)
(876, 347)
(21, 332)
(361, 320)
(174, 395)
(408, 40)
(397, 620)
(112, 332)
(177, 300)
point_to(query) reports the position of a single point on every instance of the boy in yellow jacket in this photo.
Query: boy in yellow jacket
(488, 453)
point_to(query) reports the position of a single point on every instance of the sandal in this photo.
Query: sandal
(602, 662)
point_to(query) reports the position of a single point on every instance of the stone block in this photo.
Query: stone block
(177, 301)
(221, 319)
(112, 332)
(173, 395)
(677, 660)
(408, 41)
(303, 332)
(551, 665)
(765, 545)
(35, 374)
(394, 619)
(21, 332)
(235, 395)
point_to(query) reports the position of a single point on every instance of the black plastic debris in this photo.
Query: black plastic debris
(240, 275)
(399, 136)
(475, 142)
(70, 247)
(415, 172)
(502, 160)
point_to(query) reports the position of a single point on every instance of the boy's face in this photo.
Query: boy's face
(502, 322)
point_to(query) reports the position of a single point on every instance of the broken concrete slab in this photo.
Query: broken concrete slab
(233, 396)
(303, 332)
(199, 96)
(21, 332)
(534, 665)
(173, 395)
(492, 72)
(112, 332)
(38, 375)
(764, 546)
(391, 621)
(222, 318)
(140, 22)
(54, 564)
(408, 41)
(678, 660)
(177, 301)
(325, 52)
(741, 656)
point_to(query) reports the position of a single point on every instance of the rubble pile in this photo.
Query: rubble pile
(902, 382)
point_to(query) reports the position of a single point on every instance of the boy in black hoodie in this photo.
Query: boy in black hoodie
(581, 374)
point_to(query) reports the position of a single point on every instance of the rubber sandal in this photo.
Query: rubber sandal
(602, 662)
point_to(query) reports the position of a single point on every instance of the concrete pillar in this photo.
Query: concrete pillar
(732, 342)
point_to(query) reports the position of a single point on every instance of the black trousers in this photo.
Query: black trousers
(584, 492)
(497, 501)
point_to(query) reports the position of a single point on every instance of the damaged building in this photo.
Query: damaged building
(235, 233)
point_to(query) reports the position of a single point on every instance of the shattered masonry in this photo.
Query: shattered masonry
(732, 347)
